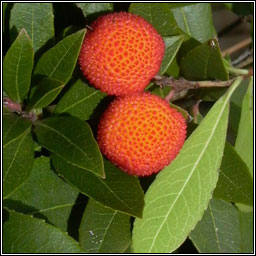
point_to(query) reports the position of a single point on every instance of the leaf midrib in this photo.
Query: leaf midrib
(16, 76)
(215, 228)
(79, 101)
(185, 21)
(44, 96)
(25, 133)
(63, 136)
(106, 230)
(237, 187)
(9, 129)
(115, 195)
(63, 56)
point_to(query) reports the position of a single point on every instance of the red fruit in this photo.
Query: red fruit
(141, 133)
(121, 53)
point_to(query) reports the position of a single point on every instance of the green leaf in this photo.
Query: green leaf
(204, 62)
(44, 195)
(18, 152)
(246, 231)
(13, 127)
(244, 140)
(120, 191)
(218, 231)
(59, 62)
(103, 230)
(244, 208)
(17, 67)
(91, 8)
(159, 15)
(195, 20)
(80, 100)
(172, 45)
(235, 183)
(36, 18)
(236, 105)
(179, 195)
(44, 93)
(72, 140)
(25, 234)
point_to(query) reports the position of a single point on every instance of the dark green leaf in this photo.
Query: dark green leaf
(195, 20)
(103, 230)
(80, 100)
(235, 182)
(72, 140)
(159, 15)
(128, 250)
(204, 62)
(118, 190)
(161, 92)
(240, 8)
(4, 14)
(246, 231)
(179, 195)
(218, 231)
(13, 126)
(173, 69)
(91, 8)
(172, 45)
(25, 234)
(44, 93)
(59, 62)
(17, 67)
(236, 105)
(244, 140)
(36, 18)
(211, 93)
(44, 195)
(18, 152)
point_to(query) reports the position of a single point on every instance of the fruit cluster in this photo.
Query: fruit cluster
(139, 132)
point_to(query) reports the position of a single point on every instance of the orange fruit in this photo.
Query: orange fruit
(121, 54)
(141, 133)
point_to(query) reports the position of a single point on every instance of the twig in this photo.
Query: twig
(195, 111)
(170, 95)
(241, 57)
(11, 105)
(89, 27)
(246, 62)
(237, 46)
(183, 84)
(17, 108)
(238, 71)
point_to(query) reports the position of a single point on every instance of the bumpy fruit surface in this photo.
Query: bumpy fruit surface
(141, 133)
(121, 53)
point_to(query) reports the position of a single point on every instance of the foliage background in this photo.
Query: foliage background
(61, 195)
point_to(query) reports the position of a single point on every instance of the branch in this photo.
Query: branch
(237, 46)
(183, 84)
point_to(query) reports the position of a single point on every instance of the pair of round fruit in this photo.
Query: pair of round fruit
(139, 132)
